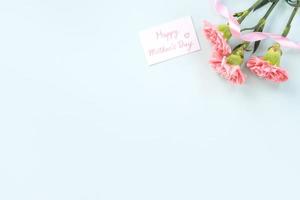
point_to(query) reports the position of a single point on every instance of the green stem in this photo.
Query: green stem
(261, 24)
(271, 9)
(289, 23)
(248, 11)
(243, 46)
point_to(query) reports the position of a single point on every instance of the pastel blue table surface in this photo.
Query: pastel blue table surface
(82, 117)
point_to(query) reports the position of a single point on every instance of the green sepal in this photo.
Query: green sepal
(273, 55)
(234, 59)
(224, 28)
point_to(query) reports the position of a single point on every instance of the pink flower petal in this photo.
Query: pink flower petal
(232, 73)
(216, 39)
(266, 70)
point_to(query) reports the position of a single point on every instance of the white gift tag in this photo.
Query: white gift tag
(169, 40)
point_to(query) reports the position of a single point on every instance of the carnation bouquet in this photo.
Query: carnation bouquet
(228, 61)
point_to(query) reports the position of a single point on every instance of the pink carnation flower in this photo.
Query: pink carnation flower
(232, 73)
(266, 70)
(216, 39)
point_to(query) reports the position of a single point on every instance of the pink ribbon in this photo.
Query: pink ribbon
(254, 36)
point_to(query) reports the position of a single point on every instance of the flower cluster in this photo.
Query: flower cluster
(220, 61)
(228, 62)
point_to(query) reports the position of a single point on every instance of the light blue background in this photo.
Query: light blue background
(83, 118)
